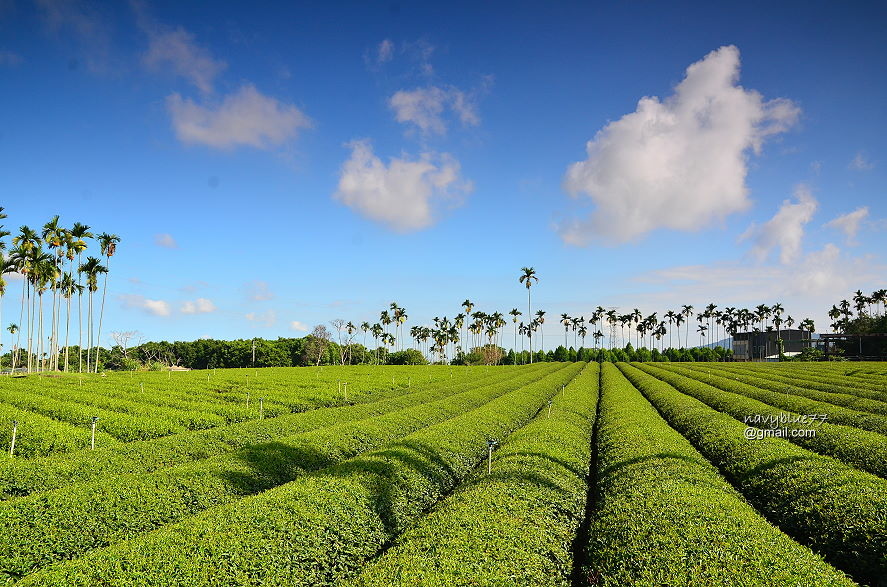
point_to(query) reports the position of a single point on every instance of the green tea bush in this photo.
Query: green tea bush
(838, 511)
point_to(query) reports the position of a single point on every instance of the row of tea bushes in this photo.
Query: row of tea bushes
(70, 521)
(519, 521)
(665, 516)
(859, 448)
(19, 477)
(321, 527)
(839, 511)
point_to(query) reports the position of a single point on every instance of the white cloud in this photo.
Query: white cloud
(678, 163)
(786, 229)
(9, 59)
(246, 117)
(154, 307)
(425, 107)
(265, 319)
(166, 241)
(258, 291)
(402, 195)
(299, 326)
(849, 223)
(198, 306)
(385, 51)
(860, 163)
(86, 26)
(176, 51)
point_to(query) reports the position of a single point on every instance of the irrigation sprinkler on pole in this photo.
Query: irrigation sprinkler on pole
(92, 439)
(491, 444)
(549, 408)
(346, 391)
(14, 432)
(247, 399)
(142, 386)
(409, 382)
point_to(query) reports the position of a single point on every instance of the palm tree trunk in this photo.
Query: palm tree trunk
(67, 331)
(102, 313)
(530, 335)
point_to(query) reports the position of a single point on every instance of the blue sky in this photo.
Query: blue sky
(269, 169)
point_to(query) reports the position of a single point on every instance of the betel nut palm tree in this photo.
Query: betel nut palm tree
(527, 278)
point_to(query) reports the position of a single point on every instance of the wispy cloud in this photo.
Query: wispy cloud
(299, 326)
(425, 108)
(259, 291)
(165, 240)
(785, 230)
(176, 51)
(264, 319)
(153, 307)
(679, 163)
(849, 223)
(405, 195)
(89, 30)
(198, 306)
(385, 51)
(244, 118)
(10, 59)
(860, 162)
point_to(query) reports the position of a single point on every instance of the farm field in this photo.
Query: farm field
(552, 474)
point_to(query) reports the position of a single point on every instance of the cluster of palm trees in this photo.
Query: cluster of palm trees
(607, 326)
(841, 312)
(650, 331)
(51, 262)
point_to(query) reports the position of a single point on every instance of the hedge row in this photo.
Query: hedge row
(519, 522)
(124, 427)
(157, 397)
(189, 420)
(321, 527)
(859, 448)
(798, 387)
(665, 516)
(38, 436)
(20, 478)
(823, 381)
(67, 522)
(838, 511)
(793, 403)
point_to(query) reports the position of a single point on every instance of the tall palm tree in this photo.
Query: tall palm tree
(566, 321)
(701, 330)
(686, 312)
(108, 246)
(540, 318)
(91, 269)
(77, 245)
(68, 288)
(13, 328)
(468, 306)
(527, 278)
(5, 267)
(514, 314)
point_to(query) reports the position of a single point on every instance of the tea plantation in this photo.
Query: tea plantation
(554, 474)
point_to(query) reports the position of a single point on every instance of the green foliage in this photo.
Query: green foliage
(407, 357)
(837, 510)
(19, 478)
(323, 526)
(666, 517)
(859, 448)
(787, 401)
(70, 521)
(534, 499)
